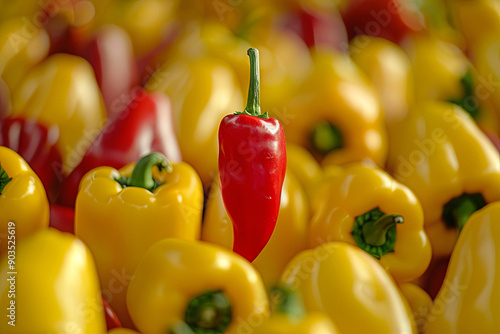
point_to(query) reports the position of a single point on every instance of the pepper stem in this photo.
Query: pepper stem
(287, 301)
(142, 175)
(325, 137)
(208, 313)
(253, 100)
(457, 211)
(4, 179)
(375, 232)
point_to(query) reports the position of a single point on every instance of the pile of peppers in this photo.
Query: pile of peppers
(257, 167)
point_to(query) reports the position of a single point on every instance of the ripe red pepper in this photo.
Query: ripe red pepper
(62, 218)
(389, 19)
(37, 145)
(144, 126)
(112, 320)
(252, 164)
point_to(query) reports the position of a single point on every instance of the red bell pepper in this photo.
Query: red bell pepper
(38, 146)
(389, 19)
(62, 218)
(252, 164)
(112, 320)
(145, 126)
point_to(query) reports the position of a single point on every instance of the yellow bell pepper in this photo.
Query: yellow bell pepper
(120, 214)
(443, 72)
(289, 316)
(185, 286)
(23, 201)
(450, 165)
(288, 238)
(202, 92)
(469, 300)
(389, 70)
(21, 48)
(123, 331)
(386, 221)
(62, 91)
(337, 114)
(52, 287)
(351, 288)
(420, 303)
(306, 169)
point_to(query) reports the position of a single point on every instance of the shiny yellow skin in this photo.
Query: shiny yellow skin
(469, 300)
(304, 167)
(344, 197)
(120, 224)
(390, 72)
(22, 201)
(312, 323)
(288, 238)
(338, 92)
(20, 50)
(420, 303)
(440, 153)
(174, 271)
(202, 92)
(351, 287)
(57, 288)
(63, 91)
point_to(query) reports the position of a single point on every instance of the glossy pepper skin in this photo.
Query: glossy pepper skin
(37, 145)
(252, 166)
(469, 300)
(57, 287)
(183, 286)
(144, 125)
(305, 168)
(336, 115)
(348, 285)
(420, 303)
(287, 240)
(451, 166)
(22, 198)
(389, 19)
(120, 223)
(394, 234)
(202, 92)
(62, 91)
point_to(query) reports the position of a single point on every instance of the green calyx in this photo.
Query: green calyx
(142, 175)
(325, 138)
(209, 313)
(4, 179)
(375, 232)
(287, 301)
(253, 101)
(458, 210)
(467, 101)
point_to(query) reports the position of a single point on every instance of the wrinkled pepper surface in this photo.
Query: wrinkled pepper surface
(183, 286)
(288, 238)
(350, 287)
(469, 300)
(56, 288)
(120, 214)
(23, 200)
(387, 221)
(252, 166)
(451, 166)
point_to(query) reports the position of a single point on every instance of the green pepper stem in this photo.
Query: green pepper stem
(463, 211)
(209, 313)
(458, 210)
(4, 179)
(253, 101)
(142, 175)
(375, 232)
(287, 301)
(325, 137)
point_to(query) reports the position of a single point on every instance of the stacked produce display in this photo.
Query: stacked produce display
(265, 167)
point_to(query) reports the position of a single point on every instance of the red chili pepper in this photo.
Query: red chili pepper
(37, 145)
(145, 126)
(252, 164)
(112, 320)
(62, 218)
(389, 19)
